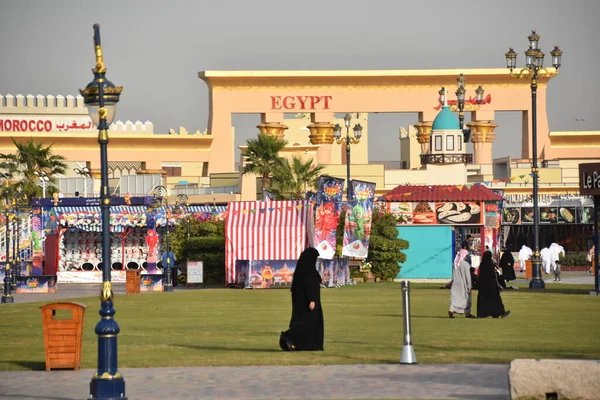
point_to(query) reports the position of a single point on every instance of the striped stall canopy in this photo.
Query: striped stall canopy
(96, 210)
(207, 209)
(264, 230)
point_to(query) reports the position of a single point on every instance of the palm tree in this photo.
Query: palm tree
(31, 157)
(296, 179)
(261, 157)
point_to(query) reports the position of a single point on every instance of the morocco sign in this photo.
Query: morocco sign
(23, 123)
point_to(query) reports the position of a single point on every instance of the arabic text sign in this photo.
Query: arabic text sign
(24, 123)
(195, 272)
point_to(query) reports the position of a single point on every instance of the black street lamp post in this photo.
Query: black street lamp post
(161, 198)
(534, 68)
(337, 133)
(101, 98)
(7, 295)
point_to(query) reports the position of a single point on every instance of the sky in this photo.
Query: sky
(155, 49)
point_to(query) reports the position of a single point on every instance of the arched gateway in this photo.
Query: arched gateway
(323, 93)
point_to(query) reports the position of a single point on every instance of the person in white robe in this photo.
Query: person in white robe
(524, 254)
(555, 251)
(460, 293)
(546, 259)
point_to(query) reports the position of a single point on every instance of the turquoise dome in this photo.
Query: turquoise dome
(445, 120)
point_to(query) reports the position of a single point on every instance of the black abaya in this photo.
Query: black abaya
(306, 330)
(489, 303)
(507, 262)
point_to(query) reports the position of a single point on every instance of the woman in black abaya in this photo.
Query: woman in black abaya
(306, 326)
(489, 303)
(507, 263)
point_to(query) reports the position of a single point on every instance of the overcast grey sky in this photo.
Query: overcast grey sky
(156, 48)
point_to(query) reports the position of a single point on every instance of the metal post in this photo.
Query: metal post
(7, 295)
(107, 383)
(349, 188)
(84, 186)
(536, 277)
(18, 260)
(43, 188)
(167, 268)
(596, 255)
(408, 353)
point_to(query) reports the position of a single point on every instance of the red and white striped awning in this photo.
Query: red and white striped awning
(264, 230)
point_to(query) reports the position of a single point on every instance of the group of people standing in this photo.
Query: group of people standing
(550, 259)
(489, 302)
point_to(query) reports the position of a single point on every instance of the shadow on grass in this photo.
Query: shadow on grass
(412, 316)
(29, 365)
(221, 348)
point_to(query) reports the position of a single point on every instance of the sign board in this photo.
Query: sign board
(195, 272)
(589, 179)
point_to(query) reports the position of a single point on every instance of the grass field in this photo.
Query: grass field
(363, 324)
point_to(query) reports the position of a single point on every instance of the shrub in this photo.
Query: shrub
(384, 246)
(573, 260)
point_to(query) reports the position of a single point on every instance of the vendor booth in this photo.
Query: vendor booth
(435, 219)
(70, 229)
(263, 240)
(589, 184)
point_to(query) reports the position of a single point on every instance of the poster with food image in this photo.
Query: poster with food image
(566, 215)
(527, 215)
(458, 212)
(548, 215)
(511, 215)
(402, 212)
(423, 213)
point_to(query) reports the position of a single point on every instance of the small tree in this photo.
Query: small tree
(296, 178)
(384, 245)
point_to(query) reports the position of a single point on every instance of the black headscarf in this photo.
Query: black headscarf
(307, 265)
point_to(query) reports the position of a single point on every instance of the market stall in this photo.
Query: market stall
(70, 229)
(434, 219)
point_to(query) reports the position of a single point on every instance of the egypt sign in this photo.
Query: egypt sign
(300, 102)
(589, 179)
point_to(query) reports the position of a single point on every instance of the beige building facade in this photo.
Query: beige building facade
(303, 107)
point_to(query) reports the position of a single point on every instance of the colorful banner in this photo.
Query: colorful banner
(359, 212)
(151, 283)
(37, 284)
(334, 272)
(327, 215)
(88, 276)
(437, 213)
(271, 274)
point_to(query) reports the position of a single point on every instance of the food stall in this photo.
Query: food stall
(434, 219)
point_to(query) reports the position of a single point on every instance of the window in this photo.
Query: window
(438, 143)
(450, 142)
(459, 142)
(172, 171)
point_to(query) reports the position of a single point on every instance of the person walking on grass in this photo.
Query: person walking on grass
(460, 292)
(489, 302)
(306, 331)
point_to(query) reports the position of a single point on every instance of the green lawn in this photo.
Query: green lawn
(363, 324)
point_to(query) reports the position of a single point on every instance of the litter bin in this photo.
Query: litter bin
(63, 334)
(132, 281)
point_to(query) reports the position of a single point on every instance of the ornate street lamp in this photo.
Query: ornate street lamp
(460, 102)
(182, 201)
(19, 205)
(337, 134)
(7, 295)
(85, 173)
(534, 68)
(101, 98)
(44, 177)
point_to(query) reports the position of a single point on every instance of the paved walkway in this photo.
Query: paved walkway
(392, 381)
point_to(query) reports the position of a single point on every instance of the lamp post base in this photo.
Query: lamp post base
(107, 389)
(168, 288)
(8, 299)
(536, 281)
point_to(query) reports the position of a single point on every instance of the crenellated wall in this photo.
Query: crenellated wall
(60, 114)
